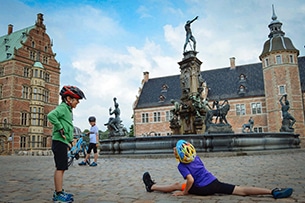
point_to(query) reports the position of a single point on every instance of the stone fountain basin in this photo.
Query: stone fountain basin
(202, 143)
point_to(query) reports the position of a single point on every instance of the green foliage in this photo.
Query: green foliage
(103, 135)
(131, 131)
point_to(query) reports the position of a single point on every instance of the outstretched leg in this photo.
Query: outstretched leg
(276, 193)
(150, 185)
(166, 188)
(243, 191)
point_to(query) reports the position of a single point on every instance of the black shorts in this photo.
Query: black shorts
(92, 146)
(60, 151)
(212, 188)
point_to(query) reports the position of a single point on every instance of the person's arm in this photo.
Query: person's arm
(284, 95)
(194, 19)
(97, 138)
(189, 184)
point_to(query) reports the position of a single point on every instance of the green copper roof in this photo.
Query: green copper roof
(38, 65)
(12, 41)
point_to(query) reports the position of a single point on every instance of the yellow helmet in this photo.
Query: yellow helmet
(186, 151)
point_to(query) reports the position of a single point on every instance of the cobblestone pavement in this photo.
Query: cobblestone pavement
(119, 178)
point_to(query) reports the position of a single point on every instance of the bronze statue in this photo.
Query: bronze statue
(248, 125)
(288, 120)
(189, 35)
(114, 125)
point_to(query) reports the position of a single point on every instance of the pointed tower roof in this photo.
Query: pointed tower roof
(277, 40)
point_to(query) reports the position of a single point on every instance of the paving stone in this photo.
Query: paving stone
(119, 178)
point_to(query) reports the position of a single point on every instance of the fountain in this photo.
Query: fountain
(195, 121)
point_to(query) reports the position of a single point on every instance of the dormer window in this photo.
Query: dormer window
(242, 77)
(161, 98)
(242, 90)
(7, 47)
(164, 88)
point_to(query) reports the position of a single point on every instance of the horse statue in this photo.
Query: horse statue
(248, 125)
(220, 113)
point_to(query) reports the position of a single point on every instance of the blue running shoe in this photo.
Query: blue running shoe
(65, 193)
(82, 163)
(93, 164)
(62, 197)
(281, 193)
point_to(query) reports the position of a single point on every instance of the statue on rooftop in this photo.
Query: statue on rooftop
(189, 35)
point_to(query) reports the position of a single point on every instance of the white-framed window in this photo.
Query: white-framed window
(144, 117)
(25, 92)
(168, 116)
(258, 129)
(1, 71)
(278, 59)
(34, 116)
(282, 89)
(256, 108)
(266, 62)
(24, 118)
(22, 142)
(34, 94)
(157, 116)
(240, 109)
(26, 72)
(291, 58)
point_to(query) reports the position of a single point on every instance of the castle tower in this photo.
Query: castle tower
(281, 76)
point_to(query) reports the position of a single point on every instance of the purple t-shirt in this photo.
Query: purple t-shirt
(201, 175)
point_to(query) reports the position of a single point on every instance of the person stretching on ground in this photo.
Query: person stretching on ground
(199, 181)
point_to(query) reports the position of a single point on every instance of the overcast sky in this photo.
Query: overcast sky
(104, 46)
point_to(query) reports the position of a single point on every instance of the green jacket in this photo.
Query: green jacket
(61, 118)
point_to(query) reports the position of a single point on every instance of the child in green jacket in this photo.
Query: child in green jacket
(62, 136)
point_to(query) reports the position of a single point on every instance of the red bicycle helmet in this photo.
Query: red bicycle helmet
(72, 91)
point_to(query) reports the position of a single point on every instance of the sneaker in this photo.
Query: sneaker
(82, 163)
(93, 164)
(65, 193)
(281, 193)
(148, 182)
(68, 194)
(62, 197)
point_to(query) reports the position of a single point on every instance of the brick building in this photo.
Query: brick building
(29, 86)
(253, 90)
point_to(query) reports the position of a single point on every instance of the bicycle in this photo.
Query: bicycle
(81, 147)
